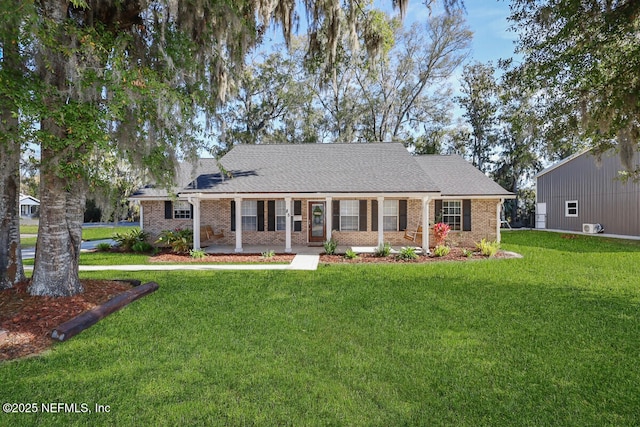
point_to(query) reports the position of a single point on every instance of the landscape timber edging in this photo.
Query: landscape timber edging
(89, 318)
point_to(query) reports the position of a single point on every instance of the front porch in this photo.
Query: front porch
(296, 224)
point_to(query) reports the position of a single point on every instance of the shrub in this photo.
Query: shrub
(330, 247)
(467, 252)
(268, 254)
(407, 253)
(197, 253)
(126, 240)
(383, 250)
(103, 247)
(180, 240)
(488, 248)
(350, 254)
(441, 250)
(141, 247)
(440, 232)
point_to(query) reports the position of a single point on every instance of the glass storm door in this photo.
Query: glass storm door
(316, 222)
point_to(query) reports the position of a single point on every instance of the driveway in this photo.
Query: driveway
(30, 253)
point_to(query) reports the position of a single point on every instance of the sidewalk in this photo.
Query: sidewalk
(301, 262)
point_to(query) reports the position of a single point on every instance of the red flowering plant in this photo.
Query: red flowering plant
(440, 231)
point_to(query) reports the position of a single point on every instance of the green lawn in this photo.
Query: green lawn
(550, 339)
(88, 233)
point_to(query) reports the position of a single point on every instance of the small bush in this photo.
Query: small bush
(268, 254)
(407, 253)
(141, 247)
(197, 253)
(126, 240)
(467, 252)
(440, 231)
(350, 254)
(180, 240)
(103, 247)
(383, 250)
(330, 247)
(441, 250)
(488, 248)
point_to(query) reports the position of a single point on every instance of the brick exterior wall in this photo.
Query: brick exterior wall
(217, 215)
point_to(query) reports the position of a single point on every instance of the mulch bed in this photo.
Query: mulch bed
(30, 320)
(456, 254)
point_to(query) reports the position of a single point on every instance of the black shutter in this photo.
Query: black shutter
(233, 215)
(191, 210)
(466, 215)
(335, 224)
(437, 211)
(363, 216)
(168, 210)
(374, 215)
(297, 207)
(402, 212)
(271, 215)
(260, 204)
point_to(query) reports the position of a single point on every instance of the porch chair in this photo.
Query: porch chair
(207, 234)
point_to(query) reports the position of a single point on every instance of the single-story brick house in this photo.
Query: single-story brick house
(357, 194)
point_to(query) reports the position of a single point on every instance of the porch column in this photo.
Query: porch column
(425, 225)
(287, 241)
(238, 201)
(380, 221)
(328, 216)
(195, 202)
(499, 219)
(141, 214)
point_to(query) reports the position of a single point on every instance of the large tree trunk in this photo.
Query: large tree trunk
(59, 236)
(11, 270)
(62, 198)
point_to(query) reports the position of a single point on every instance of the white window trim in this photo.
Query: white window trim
(396, 216)
(181, 209)
(567, 208)
(356, 215)
(447, 201)
(281, 205)
(243, 209)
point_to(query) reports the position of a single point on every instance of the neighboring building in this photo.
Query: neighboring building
(28, 206)
(581, 191)
(357, 194)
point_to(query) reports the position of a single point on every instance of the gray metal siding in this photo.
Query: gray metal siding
(601, 197)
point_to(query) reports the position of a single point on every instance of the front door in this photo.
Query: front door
(317, 231)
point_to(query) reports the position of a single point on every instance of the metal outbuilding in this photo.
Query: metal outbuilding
(583, 193)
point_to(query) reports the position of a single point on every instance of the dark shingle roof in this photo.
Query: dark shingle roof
(185, 174)
(329, 168)
(454, 176)
(317, 168)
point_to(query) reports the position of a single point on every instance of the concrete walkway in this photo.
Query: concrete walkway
(305, 262)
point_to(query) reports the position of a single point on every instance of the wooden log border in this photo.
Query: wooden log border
(89, 318)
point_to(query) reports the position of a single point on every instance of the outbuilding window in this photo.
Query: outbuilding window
(571, 208)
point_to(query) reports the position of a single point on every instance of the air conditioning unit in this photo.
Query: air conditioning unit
(592, 228)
